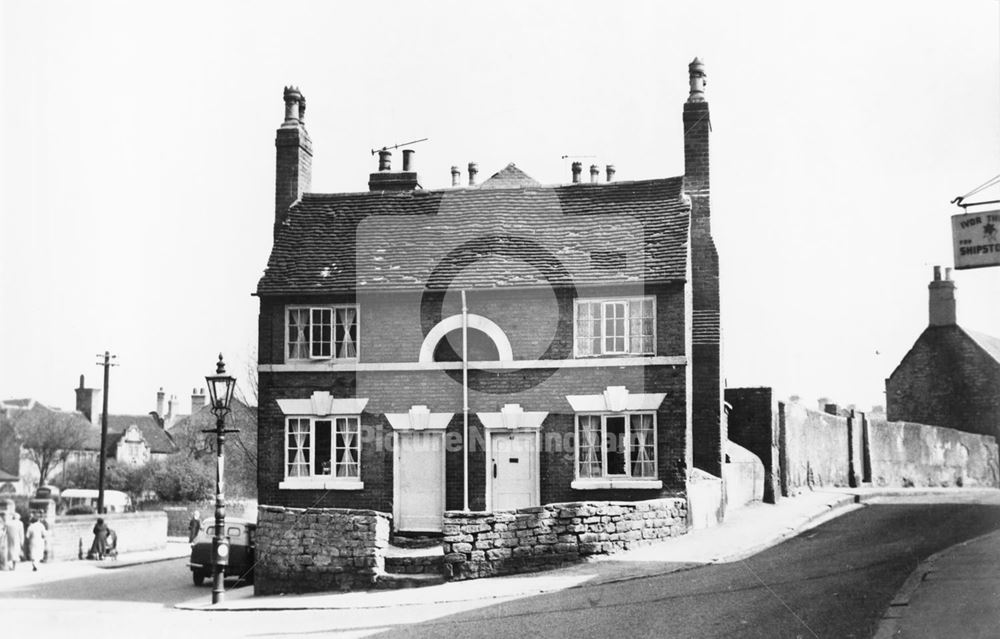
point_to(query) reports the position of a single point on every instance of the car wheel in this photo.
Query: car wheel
(197, 577)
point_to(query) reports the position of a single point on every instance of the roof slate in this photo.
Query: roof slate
(990, 344)
(481, 238)
(510, 177)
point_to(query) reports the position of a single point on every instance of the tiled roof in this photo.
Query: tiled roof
(156, 437)
(204, 419)
(510, 177)
(7, 476)
(481, 238)
(988, 343)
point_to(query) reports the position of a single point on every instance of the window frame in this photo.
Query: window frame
(627, 444)
(309, 344)
(322, 480)
(603, 303)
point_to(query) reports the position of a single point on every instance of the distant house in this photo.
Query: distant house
(131, 439)
(951, 375)
(16, 467)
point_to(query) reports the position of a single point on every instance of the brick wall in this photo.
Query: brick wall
(136, 532)
(946, 379)
(753, 424)
(504, 542)
(390, 392)
(319, 549)
(390, 332)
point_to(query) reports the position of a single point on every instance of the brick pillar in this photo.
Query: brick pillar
(706, 355)
(293, 167)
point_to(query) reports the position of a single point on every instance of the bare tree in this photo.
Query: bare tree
(47, 437)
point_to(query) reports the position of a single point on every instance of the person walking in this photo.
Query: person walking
(100, 546)
(36, 536)
(15, 541)
(3, 540)
(194, 526)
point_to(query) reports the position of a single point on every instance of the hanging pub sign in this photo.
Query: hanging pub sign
(977, 243)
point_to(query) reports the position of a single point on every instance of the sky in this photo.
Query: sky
(137, 147)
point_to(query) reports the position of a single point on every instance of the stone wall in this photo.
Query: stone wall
(318, 549)
(907, 454)
(817, 448)
(479, 544)
(135, 531)
(743, 477)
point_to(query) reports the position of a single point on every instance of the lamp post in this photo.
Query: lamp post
(220, 389)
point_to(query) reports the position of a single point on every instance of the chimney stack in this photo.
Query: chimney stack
(160, 396)
(386, 180)
(293, 166)
(610, 169)
(456, 176)
(577, 170)
(595, 173)
(85, 400)
(197, 400)
(941, 305)
(473, 171)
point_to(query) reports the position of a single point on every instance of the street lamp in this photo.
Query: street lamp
(220, 390)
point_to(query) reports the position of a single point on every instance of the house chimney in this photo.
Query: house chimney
(197, 400)
(610, 170)
(293, 166)
(456, 176)
(595, 173)
(577, 168)
(473, 171)
(386, 180)
(942, 299)
(696, 129)
(85, 400)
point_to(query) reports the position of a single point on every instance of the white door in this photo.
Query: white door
(514, 468)
(419, 480)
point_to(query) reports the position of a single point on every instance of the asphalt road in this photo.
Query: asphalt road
(833, 581)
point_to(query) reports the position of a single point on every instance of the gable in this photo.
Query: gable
(946, 344)
(494, 238)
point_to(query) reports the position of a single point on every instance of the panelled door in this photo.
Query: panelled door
(419, 468)
(514, 470)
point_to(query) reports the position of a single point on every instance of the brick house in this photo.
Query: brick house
(951, 375)
(593, 345)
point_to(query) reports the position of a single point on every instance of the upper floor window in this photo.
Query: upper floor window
(615, 326)
(322, 332)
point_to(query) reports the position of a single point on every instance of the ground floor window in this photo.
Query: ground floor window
(616, 445)
(323, 447)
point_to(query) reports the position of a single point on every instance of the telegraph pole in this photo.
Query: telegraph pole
(107, 364)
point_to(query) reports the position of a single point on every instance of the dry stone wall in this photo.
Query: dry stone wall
(319, 549)
(479, 544)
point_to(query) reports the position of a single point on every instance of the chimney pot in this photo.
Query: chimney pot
(696, 80)
(408, 159)
(941, 300)
(473, 171)
(456, 176)
(385, 160)
(594, 173)
(577, 168)
(610, 169)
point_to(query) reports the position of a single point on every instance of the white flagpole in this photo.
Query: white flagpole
(465, 403)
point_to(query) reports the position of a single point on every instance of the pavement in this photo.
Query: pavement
(745, 532)
(954, 593)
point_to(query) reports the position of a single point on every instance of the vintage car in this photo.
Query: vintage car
(240, 533)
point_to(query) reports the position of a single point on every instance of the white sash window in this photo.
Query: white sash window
(616, 445)
(624, 326)
(321, 332)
